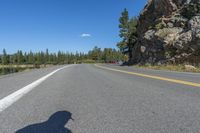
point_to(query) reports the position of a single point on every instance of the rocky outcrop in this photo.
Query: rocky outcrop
(168, 31)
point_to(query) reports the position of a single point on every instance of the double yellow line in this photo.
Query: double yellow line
(152, 76)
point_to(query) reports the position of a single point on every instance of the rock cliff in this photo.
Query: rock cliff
(168, 31)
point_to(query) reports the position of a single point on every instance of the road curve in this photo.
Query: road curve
(88, 99)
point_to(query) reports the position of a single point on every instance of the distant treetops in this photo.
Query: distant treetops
(40, 58)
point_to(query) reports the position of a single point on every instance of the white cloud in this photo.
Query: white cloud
(85, 35)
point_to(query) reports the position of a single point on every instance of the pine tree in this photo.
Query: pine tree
(47, 57)
(124, 20)
(20, 57)
(132, 30)
(5, 59)
(30, 58)
(124, 26)
(38, 58)
(128, 33)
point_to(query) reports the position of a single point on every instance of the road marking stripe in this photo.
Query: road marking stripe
(152, 76)
(12, 98)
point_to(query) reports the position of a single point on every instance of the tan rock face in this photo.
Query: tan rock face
(190, 67)
(167, 29)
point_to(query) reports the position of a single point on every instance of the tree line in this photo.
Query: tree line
(106, 55)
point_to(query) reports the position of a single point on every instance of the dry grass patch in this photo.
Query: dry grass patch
(179, 68)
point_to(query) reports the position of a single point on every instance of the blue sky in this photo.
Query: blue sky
(66, 25)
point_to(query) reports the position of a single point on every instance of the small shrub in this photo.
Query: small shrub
(160, 25)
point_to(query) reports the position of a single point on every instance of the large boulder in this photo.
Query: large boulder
(182, 41)
(168, 35)
(169, 30)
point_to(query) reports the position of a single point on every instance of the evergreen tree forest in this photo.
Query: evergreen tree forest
(96, 55)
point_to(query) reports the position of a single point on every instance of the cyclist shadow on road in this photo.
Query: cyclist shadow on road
(55, 124)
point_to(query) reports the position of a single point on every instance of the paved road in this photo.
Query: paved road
(101, 101)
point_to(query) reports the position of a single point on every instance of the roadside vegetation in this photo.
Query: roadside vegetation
(179, 68)
(20, 61)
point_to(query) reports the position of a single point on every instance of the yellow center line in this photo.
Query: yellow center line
(152, 76)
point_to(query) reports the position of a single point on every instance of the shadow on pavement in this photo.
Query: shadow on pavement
(55, 124)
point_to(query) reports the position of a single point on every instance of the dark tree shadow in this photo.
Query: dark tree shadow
(55, 124)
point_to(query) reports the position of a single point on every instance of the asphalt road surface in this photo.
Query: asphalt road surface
(95, 99)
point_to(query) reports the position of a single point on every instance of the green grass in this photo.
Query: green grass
(179, 68)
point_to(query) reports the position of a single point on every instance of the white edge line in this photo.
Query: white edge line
(12, 98)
